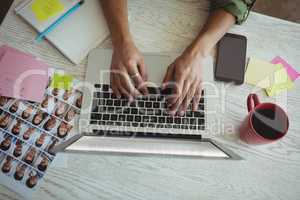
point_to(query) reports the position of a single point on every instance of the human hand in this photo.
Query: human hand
(186, 75)
(128, 71)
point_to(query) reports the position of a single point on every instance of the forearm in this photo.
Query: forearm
(215, 28)
(115, 12)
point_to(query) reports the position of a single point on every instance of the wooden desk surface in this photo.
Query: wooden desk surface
(267, 172)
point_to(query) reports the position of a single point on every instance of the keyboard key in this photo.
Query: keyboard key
(105, 117)
(168, 126)
(97, 86)
(141, 104)
(137, 118)
(110, 123)
(145, 119)
(129, 118)
(158, 112)
(184, 126)
(156, 105)
(185, 120)
(193, 121)
(118, 123)
(198, 114)
(177, 120)
(193, 127)
(170, 120)
(153, 119)
(159, 126)
(161, 120)
(200, 121)
(150, 112)
(126, 123)
(124, 102)
(148, 104)
(134, 124)
(201, 127)
(132, 104)
(177, 126)
(201, 107)
(111, 109)
(189, 113)
(95, 109)
(152, 98)
(150, 125)
(114, 117)
(134, 111)
(153, 90)
(105, 88)
(142, 111)
(113, 96)
(126, 110)
(117, 102)
(93, 122)
(143, 125)
(121, 118)
(109, 102)
(102, 109)
(96, 116)
(101, 122)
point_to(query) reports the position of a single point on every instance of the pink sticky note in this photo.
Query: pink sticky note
(293, 74)
(22, 77)
(4, 49)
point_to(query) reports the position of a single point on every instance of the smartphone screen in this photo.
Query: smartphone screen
(231, 58)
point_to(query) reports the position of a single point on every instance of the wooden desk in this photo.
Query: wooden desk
(267, 172)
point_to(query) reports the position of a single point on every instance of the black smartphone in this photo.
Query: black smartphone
(4, 7)
(231, 58)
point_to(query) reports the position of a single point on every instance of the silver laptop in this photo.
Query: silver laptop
(111, 125)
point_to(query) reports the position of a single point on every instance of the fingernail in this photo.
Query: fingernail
(181, 113)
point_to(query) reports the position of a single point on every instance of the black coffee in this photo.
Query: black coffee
(269, 123)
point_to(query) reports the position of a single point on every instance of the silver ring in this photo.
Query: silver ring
(135, 75)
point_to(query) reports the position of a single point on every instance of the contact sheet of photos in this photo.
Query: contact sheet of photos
(28, 132)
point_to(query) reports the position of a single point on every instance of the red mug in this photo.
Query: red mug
(265, 123)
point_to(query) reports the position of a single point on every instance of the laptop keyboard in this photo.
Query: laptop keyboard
(145, 111)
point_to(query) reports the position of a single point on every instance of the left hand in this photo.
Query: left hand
(186, 73)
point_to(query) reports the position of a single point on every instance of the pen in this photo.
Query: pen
(57, 22)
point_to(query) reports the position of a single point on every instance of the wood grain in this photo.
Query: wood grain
(267, 172)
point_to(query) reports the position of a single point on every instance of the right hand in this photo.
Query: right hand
(128, 71)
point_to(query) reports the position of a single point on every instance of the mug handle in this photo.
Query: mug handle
(252, 101)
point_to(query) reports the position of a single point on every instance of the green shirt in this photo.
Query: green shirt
(238, 8)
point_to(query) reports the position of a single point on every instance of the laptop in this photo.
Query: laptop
(111, 125)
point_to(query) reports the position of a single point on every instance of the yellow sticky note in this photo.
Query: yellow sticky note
(64, 81)
(260, 73)
(282, 81)
(44, 9)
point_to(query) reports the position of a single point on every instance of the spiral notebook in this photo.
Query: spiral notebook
(82, 31)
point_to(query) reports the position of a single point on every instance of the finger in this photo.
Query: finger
(169, 76)
(114, 85)
(135, 76)
(139, 83)
(197, 97)
(177, 90)
(121, 89)
(142, 70)
(177, 104)
(186, 102)
(142, 86)
(127, 85)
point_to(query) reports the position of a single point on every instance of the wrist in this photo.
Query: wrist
(121, 41)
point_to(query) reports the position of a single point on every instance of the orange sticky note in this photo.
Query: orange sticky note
(44, 9)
